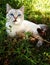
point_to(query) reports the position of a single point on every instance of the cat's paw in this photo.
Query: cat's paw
(39, 43)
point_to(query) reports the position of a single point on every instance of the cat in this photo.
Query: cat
(16, 23)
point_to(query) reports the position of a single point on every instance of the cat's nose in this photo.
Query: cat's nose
(15, 18)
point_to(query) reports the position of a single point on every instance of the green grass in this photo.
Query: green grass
(14, 51)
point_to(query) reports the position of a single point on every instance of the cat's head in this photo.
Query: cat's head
(16, 16)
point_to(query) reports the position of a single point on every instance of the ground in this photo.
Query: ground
(23, 51)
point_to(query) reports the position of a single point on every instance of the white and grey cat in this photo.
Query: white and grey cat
(16, 23)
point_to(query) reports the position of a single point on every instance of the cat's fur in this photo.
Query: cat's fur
(16, 23)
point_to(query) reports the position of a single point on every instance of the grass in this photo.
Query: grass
(18, 51)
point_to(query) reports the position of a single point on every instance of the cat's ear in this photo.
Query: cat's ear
(22, 9)
(8, 7)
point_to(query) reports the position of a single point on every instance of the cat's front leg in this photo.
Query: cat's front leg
(39, 38)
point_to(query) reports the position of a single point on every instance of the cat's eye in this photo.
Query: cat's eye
(12, 14)
(19, 14)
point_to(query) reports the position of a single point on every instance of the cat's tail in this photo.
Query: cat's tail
(46, 41)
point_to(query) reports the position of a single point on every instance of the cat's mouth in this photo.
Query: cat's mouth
(15, 20)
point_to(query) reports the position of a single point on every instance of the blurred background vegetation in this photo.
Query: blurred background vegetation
(23, 52)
